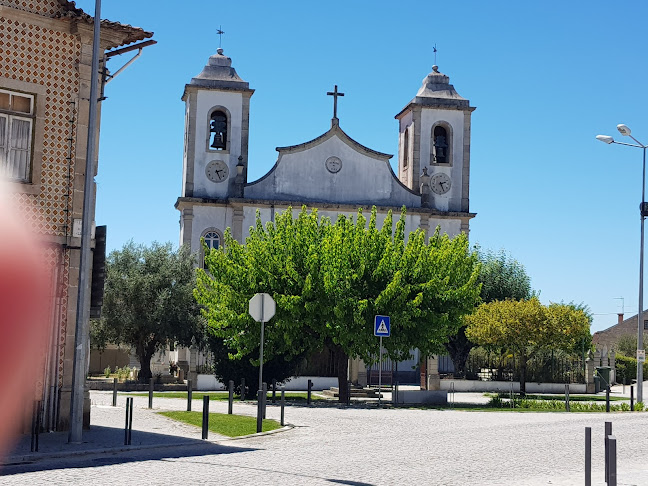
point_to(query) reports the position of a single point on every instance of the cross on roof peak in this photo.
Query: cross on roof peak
(335, 95)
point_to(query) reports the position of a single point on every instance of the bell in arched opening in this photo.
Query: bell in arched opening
(218, 126)
(440, 145)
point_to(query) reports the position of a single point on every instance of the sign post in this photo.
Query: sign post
(382, 328)
(262, 309)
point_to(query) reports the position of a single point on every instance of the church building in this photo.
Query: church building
(332, 172)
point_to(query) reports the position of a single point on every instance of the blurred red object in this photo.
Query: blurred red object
(23, 320)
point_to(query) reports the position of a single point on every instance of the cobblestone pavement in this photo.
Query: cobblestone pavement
(358, 446)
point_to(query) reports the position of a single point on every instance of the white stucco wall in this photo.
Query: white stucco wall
(302, 176)
(450, 201)
(218, 217)
(206, 101)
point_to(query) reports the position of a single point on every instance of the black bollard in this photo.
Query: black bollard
(265, 398)
(632, 398)
(230, 405)
(348, 393)
(189, 395)
(205, 417)
(567, 398)
(612, 468)
(35, 428)
(151, 393)
(607, 399)
(308, 397)
(242, 389)
(608, 433)
(259, 411)
(114, 392)
(283, 404)
(588, 456)
(128, 425)
(274, 391)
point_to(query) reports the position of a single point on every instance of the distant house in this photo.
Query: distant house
(610, 336)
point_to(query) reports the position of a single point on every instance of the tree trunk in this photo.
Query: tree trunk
(342, 361)
(523, 370)
(458, 347)
(144, 354)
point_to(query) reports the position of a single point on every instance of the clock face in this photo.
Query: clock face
(440, 183)
(217, 171)
(333, 164)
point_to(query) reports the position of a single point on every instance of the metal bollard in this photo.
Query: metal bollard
(395, 394)
(274, 390)
(205, 417)
(265, 398)
(36, 425)
(588, 456)
(632, 398)
(114, 392)
(128, 425)
(608, 433)
(308, 397)
(283, 404)
(259, 411)
(150, 393)
(612, 468)
(348, 393)
(242, 389)
(230, 405)
(189, 395)
(607, 399)
(567, 398)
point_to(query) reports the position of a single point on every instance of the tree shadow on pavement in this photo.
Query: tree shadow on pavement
(103, 446)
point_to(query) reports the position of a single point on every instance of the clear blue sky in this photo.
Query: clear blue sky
(546, 77)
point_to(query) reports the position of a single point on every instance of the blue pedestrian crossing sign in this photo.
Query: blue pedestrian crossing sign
(382, 327)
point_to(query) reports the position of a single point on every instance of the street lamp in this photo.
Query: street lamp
(643, 210)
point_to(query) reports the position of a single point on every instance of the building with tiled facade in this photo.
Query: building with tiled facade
(45, 72)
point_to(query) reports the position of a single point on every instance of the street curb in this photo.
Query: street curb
(37, 456)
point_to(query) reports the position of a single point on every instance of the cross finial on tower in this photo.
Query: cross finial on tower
(220, 33)
(434, 49)
(335, 95)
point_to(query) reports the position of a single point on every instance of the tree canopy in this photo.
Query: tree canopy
(525, 327)
(501, 277)
(148, 300)
(330, 279)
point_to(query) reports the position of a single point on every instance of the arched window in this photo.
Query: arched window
(212, 242)
(218, 130)
(406, 148)
(440, 148)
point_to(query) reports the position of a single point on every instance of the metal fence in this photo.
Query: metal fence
(544, 368)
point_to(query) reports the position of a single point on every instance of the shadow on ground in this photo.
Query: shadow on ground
(104, 446)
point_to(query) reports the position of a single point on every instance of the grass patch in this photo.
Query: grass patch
(224, 424)
(224, 396)
(560, 398)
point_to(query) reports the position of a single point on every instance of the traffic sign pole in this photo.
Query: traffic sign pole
(380, 372)
(261, 349)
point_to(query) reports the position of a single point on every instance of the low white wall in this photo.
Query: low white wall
(209, 382)
(504, 386)
(319, 383)
(422, 397)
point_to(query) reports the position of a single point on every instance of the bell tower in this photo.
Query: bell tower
(434, 142)
(217, 114)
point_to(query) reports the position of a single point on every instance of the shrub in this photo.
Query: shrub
(639, 407)
(626, 368)
(107, 371)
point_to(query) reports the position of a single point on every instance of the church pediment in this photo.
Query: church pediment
(332, 168)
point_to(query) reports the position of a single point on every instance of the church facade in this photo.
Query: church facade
(332, 172)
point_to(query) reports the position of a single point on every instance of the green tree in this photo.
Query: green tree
(148, 301)
(526, 327)
(330, 279)
(501, 277)
(627, 345)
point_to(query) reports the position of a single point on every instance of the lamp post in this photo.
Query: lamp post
(643, 210)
